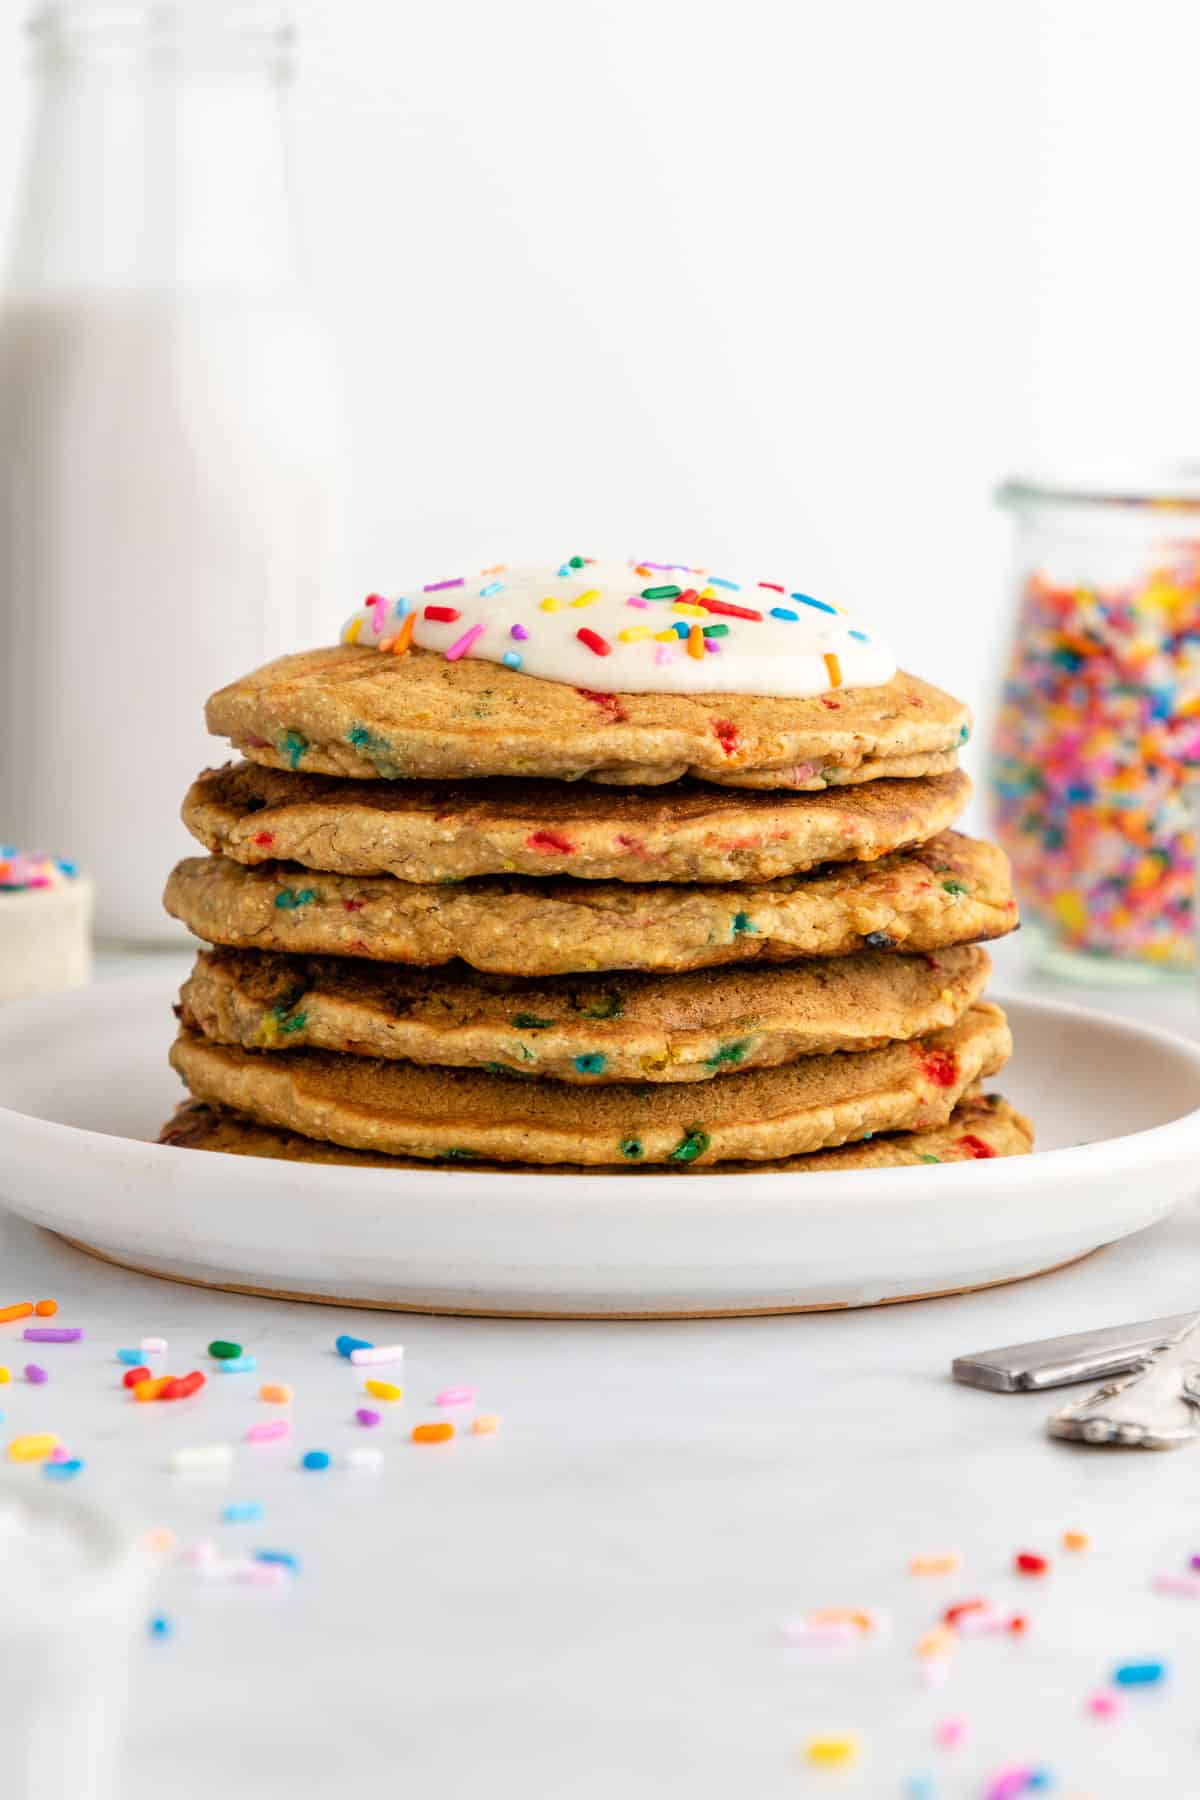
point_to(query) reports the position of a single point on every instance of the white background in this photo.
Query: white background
(785, 286)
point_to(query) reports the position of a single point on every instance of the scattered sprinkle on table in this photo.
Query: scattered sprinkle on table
(384, 1390)
(315, 1459)
(486, 1424)
(1143, 1674)
(224, 1350)
(52, 1334)
(242, 1512)
(365, 1416)
(45, 1309)
(237, 1365)
(1028, 1562)
(377, 1353)
(1076, 1540)
(267, 1430)
(432, 1434)
(35, 1373)
(284, 1559)
(455, 1396)
(346, 1346)
(832, 1752)
(938, 1562)
(200, 1457)
(160, 1626)
(365, 1457)
(66, 1470)
(21, 1310)
(1104, 1705)
(154, 1346)
(32, 1447)
(277, 1392)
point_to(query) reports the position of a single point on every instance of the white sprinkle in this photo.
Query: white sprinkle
(201, 1456)
(154, 1346)
(378, 1353)
(369, 1457)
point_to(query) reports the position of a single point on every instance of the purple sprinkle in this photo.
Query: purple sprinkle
(711, 646)
(35, 1374)
(436, 587)
(365, 1416)
(519, 632)
(52, 1334)
(1194, 1562)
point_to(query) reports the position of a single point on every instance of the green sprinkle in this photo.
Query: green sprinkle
(609, 1005)
(288, 899)
(956, 887)
(223, 1350)
(292, 744)
(963, 735)
(926, 1158)
(531, 1022)
(694, 1143)
(716, 631)
(287, 1026)
(459, 1155)
(362, 739)
(669, 592)
(729, 1053)
(574, 562)
(744, 924)
(632, 1148)
(593, 1064)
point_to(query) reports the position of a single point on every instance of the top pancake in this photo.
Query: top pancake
(349, 711)
(450, 831)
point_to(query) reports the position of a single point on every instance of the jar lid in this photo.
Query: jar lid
(1171, 486)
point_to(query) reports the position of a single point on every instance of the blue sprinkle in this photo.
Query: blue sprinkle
(1139, 1674)
(67, 866)
(242, 1512)
(285, 1557)
(1040, 1779)
(237, 1365)
(682, 628)
(400, 608)
(860, 635)
(344, 1345)
(63, 1471)
(735, 587)
(493, 587)
(133, 1358)
(593, 1064)
(783, 612)
(512, 659)
(807, 600)
(920, 1787)
(743, 924)
(315, 1459)
(159, 1626)
(566, 569)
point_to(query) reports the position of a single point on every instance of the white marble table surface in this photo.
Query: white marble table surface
(588, 1603)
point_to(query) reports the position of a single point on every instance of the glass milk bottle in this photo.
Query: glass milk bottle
(170, 429)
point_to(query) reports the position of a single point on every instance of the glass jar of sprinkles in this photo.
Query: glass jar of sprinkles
(1097, 739)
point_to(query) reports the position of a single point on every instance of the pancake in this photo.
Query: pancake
(981, 1126)
(953, 890)
(404, 1109)
(448, 831)
(580, 1029)
(343, 710)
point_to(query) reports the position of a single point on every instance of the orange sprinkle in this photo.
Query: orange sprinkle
(404, 636)
(1076, 1540)
(937, 1642)
(835, 669)
(276, 1391)
(485, 1424)
(696, 642)
(152, 1389)
(161, 1538)
(432, 1434)
(944, 1562)
(21, 1310)
(496, 569)
(843, 1615)
(46, 1309)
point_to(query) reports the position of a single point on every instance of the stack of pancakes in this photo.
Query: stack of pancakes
(457, 914)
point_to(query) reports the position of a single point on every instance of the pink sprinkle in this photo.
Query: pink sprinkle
(519, 632)
(950, 1732)
(463, 644)
(1104, 1705)
(436, 587)
(642, 605)
(455, 1396)
(196, 1555)
(260, 1574)
(663, 654)
(1006, 1783)
(59, 1454)
(268, 1429)
(1187, 1585)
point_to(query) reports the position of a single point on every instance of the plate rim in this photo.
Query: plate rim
(865, 1186)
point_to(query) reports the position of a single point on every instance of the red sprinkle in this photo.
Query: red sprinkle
(688, 596)
(184, 1385)
(599, 645)
(729, 609)
(608, 703)
(940, 1067)
(976, 1146)
(264, 837)
(726, 733)
(446, 614)
(831, 705)
(1018, 1624)
(774, 587)
(548, 841)
(1028, 1562)
(354, 905)
(953, 1614)
(131, 1376)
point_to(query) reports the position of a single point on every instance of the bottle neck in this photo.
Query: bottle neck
(159, 154)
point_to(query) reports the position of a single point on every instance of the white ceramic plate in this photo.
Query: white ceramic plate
(84, 1083)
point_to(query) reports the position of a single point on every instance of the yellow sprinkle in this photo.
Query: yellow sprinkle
(827, 1753)
(34, 1448)
(1076, 1540)
(938, 1642)
(634, 634)
(352, 630)
(267, 1035)
(688, 610)
(384, 1390)
(944, 1562)
(551, 605)
(485, 1424)
(666, 637)
(586, 599)
(4, 1376)
(708, 593)
(835, 669)
(696, 643)
(276, 1391)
